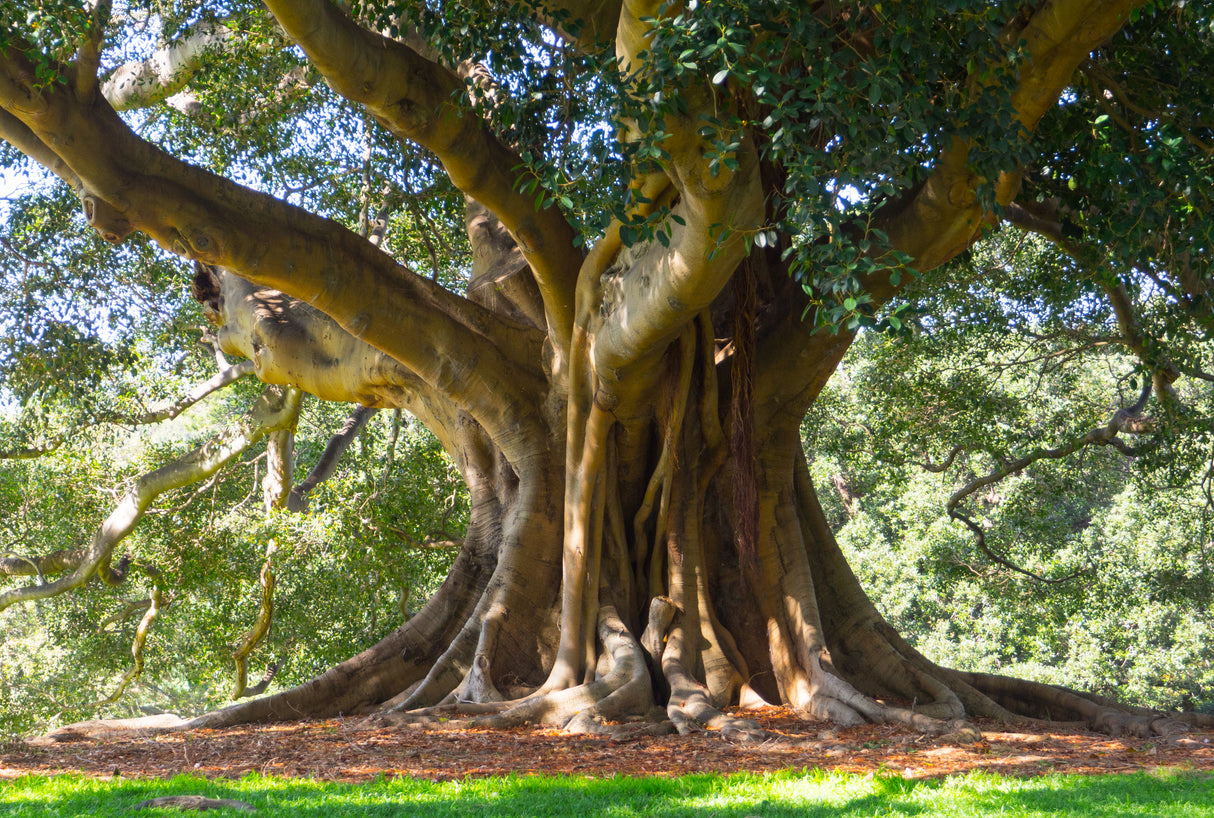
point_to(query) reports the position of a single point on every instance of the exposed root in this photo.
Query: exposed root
(1047, 702)
(622, 693)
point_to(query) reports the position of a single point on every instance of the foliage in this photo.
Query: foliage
(793, 793)
(1122, 546)
(346, 573)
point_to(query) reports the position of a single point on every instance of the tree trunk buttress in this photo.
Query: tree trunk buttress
(601, 582)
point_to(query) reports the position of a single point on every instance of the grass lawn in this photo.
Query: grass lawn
(806, 793)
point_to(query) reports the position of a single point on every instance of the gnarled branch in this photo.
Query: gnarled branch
(418, 100)
(1126, 420)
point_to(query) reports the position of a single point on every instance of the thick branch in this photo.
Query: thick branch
(280, 468)
(591, 24)
(165, 73)
(418, 100)
(56, 562)
(88, 55)
(651, 291)
(943, 216)
(460, 349)
(19, 135)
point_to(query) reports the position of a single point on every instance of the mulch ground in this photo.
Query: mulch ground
(356, 750)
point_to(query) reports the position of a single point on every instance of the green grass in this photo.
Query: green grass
(803, 794)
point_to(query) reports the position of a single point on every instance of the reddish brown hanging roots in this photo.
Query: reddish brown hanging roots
(742, 419)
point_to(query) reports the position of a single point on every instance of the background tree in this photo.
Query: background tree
(1094, 569)
(678, 218)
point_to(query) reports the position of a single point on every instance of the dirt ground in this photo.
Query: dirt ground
(358, 749)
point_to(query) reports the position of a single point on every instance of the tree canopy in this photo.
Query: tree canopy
(611, 254)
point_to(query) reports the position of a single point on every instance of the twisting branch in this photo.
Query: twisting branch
(324, 468)
(131, 608)
(935, 468)
(261, 626)
(1129, 420)
(277, 407)
(156, 603)
(165, 73)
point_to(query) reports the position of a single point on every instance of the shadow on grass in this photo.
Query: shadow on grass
(812, 793)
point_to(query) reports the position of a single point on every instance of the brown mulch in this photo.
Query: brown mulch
(356, 750)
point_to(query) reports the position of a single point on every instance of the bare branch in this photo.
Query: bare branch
(131, 608)
(1127, 420)
(224, 378)
(434, 541)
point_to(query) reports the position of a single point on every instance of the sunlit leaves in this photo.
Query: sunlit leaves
(1004, 364)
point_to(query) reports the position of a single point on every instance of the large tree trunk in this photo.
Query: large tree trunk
(655, 590)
